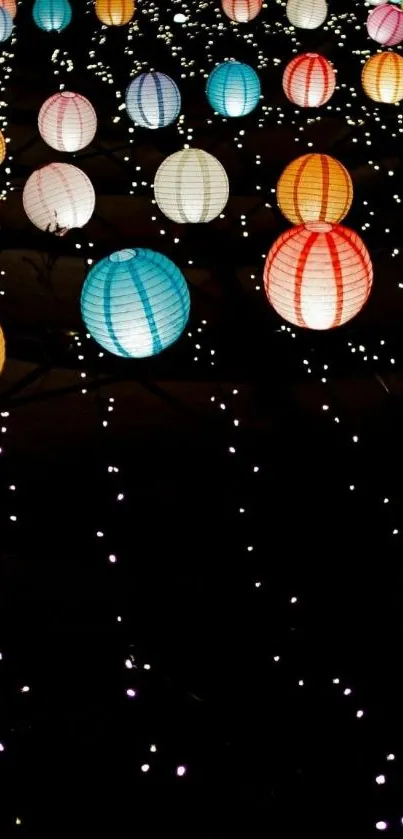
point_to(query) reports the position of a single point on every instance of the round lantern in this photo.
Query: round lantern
(135, 303)
(318, 275)
(191, 186)
(242, 11)
(382, 77)
(10, 6)
(306, 14)
(153, 100)
(309, 80)
(2, 350)
(233, 89)
(2, 147)
(6, 24)
(114, 12)
(58, 197)
(67, 121)
(52, 15)
(385, 25)
(314, 187)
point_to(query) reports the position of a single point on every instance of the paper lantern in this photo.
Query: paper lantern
(114, 12)
(2, 350)
(153, 100)
(2, 147)
(318, 275)
(382, 77)
(67, 121)
(10, 6)
(6, 24)
(58, 197)
(233, 89)
(191, 186)
(242, 11)
(306, 14)
(135, 303)
(314, 187)
(385, 25)
(52, 15)
(309, 80)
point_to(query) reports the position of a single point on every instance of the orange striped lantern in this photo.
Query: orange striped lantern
(10, 6)
(242, 11)
(318, 275)
(309, 80)
(314, 187)
(385, 25)
(114, 12)
(2, 350)
(2, 147)
(382, 77)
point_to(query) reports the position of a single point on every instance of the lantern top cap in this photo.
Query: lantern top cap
(312, 54)
(68, 94)
(319, 226)
(122, 256)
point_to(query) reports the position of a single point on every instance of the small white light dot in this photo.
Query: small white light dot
(181, 771)
(145, 767)
(380, 779)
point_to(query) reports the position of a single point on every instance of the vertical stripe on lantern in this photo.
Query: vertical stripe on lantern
(160, 100)
(107, 308)
(338, 279)
(299, 277)
(325, 185)
(304, 164)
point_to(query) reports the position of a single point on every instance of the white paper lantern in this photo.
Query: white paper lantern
(191, 186)
(67, 122)
(153, 100)
(306, 14)
(58, 197)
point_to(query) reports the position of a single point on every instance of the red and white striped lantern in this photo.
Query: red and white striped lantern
(318, 275)
(58, 197)
(242, 11)
(309, 80)
(385, 25)
(67, 121)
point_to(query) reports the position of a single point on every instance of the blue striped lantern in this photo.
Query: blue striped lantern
(135, 303)
(52, 15)
(6, 24)
(233, 89)
(153, 100)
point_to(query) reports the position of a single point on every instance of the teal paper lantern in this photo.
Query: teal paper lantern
(135, 303)
(233, 89)
(6, 24)
(52, 15)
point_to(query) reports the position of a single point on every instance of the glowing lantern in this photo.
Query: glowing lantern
(315, 187)
(153, 100)
(6, 24)
(191, 186)
(67, 122)
(135, 303)
(233, 89)
(114, 12)
(309, 80)
(58, 197)
(2, 147)
(10, 6)
(242, 11)
(52, 15)
(318, 275)
(306, 14)
(382, 77)
(2, 350)
(385, 25)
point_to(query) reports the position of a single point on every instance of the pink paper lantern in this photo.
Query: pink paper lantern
(242, 11)
(309, 80)
(58, 197)
(67, 122)
(385, 25)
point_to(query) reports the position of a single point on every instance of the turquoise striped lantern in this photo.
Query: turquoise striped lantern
(6, 24)
(153, 100)
(233, 89)
(52, 15)
(135, 303)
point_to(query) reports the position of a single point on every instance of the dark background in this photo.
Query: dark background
(263, 754)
